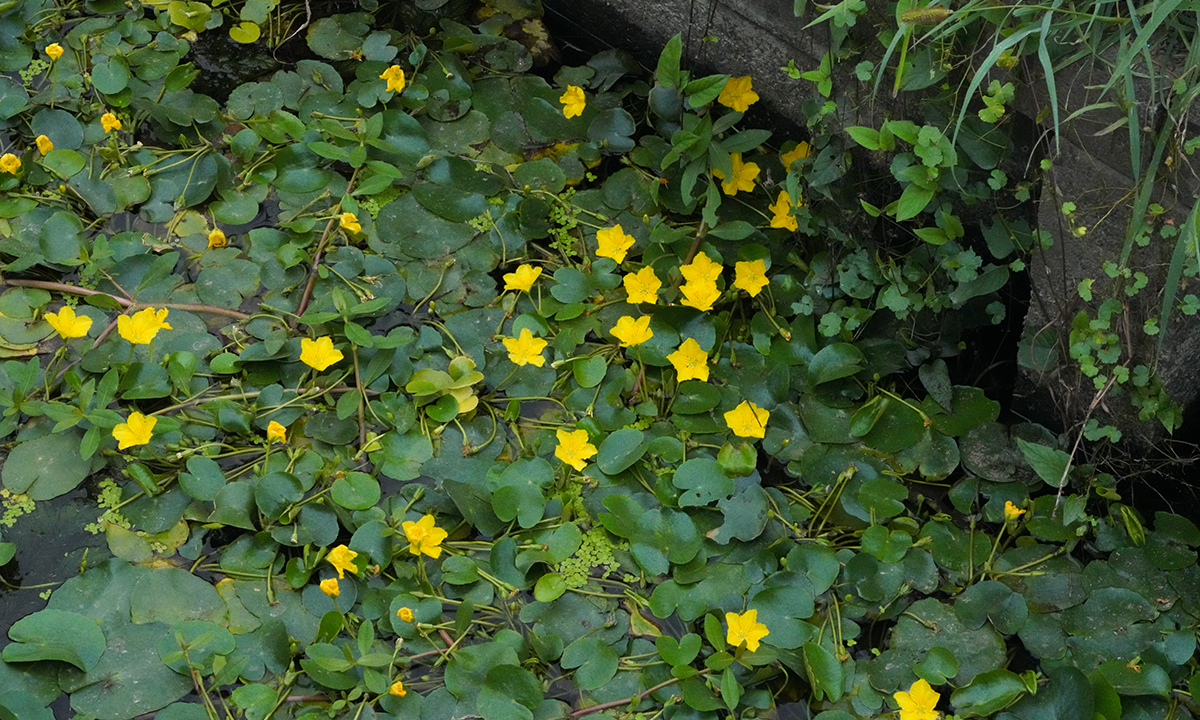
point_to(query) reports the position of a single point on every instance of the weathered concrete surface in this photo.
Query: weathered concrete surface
(1093, 170)
(757, 37)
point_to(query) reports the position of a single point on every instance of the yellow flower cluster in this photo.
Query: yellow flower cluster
(700, 291)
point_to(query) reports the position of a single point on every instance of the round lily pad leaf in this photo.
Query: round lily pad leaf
(620, 450)
(172, 595)
(415, 232)
(928, 624)
(356, 491)
(46, 467)
(130, 678)
(61, 126)
(56, 635)
(702, 481)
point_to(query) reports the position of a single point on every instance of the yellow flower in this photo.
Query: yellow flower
(522, 279)
(525, 349)
(216, 239)
(1012, 512)
(349, 221)
(738, 94)
(632, 331)
(319, 354)
(701, 269)
(799, 152)
(690, 361)
(751, 276)
(743, 176)
(54, 51)
(614, 243)
(699, 294)
(342, 559)
(109, 122)
(783, 213)
(424, 537)
(573, 448)
(642, 286)
(134, 431)
(397, 689)
(405, 614)
(395, 78)
(10, 163)
(330, 587)
(748, 420)
(574, 101)
(276, 432)
(68, 324)
(45, 145)
(142, 326)
(918, 703)
(745, 628)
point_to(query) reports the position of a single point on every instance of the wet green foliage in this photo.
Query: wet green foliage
(384, 455)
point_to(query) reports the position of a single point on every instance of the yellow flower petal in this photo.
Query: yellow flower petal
(748, 420)
(10, 163)
(109, 122)
(349, 221)
(573, 101)
(1012, 512)
(525, 349)
(642, 286)
(522, 279)
(919, 702)
(319, 354)
(68, 324)
(613, 243)
(342, 559)
(745, 628)
(690, 361)
(141, 327)
(44, 144)
(330, 587)
(742, 178)
(799, 152)
(738, 94)
(751, 276)
(216, 239)
(54, 51)
(395, 78)
(424, 537)
(276, 432)
(631, 331)
(573, 448)
(134, 431)
(782, 209)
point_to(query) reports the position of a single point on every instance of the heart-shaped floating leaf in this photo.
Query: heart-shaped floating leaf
(56, 635)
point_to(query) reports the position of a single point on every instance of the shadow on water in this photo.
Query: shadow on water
(52, 545)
